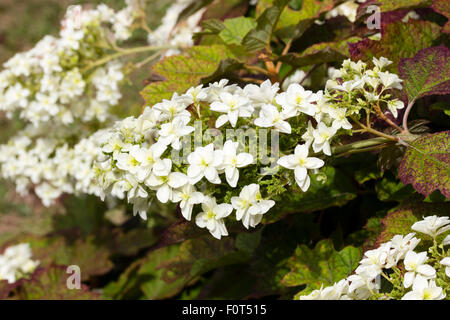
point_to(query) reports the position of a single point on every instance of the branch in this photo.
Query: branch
(405, 116)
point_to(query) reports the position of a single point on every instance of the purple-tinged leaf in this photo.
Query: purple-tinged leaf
(443, 7)
(400, 219)
(426, 164)
(398, 40)
(427, 73)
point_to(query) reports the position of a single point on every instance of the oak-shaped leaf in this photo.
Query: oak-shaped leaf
(426, 164)
(184, 71)
(322, 265)
(51, 283)
(398, 40)
(427, 73)
(260, 37)
(400, 219)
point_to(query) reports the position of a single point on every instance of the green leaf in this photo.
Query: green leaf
(184, 71)
(200, 255)
(143, 278)
(320, 53)
(323, 265)
(400, 219)
(427, 73)
(236, 29)
(390, 189)
(426, 164)
(260, 37)
(398, 40)
(51, 284)
(389, 5)
(293, 23)
(330, 188)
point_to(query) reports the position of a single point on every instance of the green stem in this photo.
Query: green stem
(125, 53)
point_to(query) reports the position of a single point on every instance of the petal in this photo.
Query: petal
(244, 159)
(163, 193)
(300, 173)
(426, 270)
(177, 179)
(314, 163)
(408, 279)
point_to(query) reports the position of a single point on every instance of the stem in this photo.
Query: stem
(375, 132)
(124, 53)
(405, 116)
(257, 69)
(359, 145)
(383, 116)
(285, 50)
(147, 60)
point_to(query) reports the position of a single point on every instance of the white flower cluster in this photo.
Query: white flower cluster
(138, 151)
(16, 262)
(50, 164)
(173, 32)
(48, 82)
(354, 86)
(418, 275)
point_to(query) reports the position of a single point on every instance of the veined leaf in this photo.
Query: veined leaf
(184, 71)
(51, 284)
(398, 40)
(427, 73)
(320, 53)
(400, 219)
(260, 37)
(236, 29)
(426, 164)
(322, 265)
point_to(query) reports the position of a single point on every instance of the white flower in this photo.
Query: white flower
(16, 262)
(322, 135)
(390, 80)
(212, 217)
(403, 244)
(446, 240)
(415, 265)
(339, 118)
(269, 116)
(197, 94)
(171, 132)
(165, 181)
(175, 107)
(263, 94)
(432, 226)
(308, 136)
(300, 163)
(250, 207)
(147, 157)
(423, 289)
(446, 262)
(381, 63)
(234, 106)
(297, 100)
(232, 161)
(393, 105)
(188, 197)
(204, 162)
(374, 260)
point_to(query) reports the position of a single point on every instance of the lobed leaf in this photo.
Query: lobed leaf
(322, 265)
(184, 71)
(426, 164)
(427, 73)
(398, 40)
